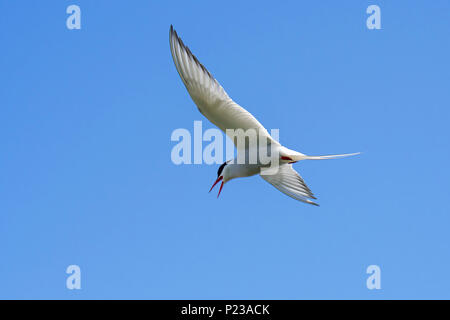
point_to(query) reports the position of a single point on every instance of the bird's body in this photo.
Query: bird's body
(213, 102)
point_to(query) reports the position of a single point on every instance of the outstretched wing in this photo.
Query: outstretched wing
(288, 181)
(209, 96)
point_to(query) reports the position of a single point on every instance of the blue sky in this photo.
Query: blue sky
(87, 179)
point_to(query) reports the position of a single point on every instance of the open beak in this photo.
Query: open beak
(221, 186)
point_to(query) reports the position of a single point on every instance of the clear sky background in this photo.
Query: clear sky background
(86, 176)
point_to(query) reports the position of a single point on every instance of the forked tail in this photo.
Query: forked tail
(294, 156)
(331, 156)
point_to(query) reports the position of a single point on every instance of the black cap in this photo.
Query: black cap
(221, 169)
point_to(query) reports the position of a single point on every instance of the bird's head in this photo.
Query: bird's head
(222, 175)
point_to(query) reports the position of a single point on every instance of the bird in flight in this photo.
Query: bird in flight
(215, 104)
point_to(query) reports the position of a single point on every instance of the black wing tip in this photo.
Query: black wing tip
(173, 33)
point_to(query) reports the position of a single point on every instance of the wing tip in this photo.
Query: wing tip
(173, 34)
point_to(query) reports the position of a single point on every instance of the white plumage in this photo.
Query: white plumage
(215, 104)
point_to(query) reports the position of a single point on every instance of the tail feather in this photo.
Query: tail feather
(332, 156)
(294, 156)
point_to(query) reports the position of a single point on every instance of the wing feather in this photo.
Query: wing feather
(288, 181)
(209, 96)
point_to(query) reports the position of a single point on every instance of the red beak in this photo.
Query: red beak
(221, 186)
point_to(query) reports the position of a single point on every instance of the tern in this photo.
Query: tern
(215, 104)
